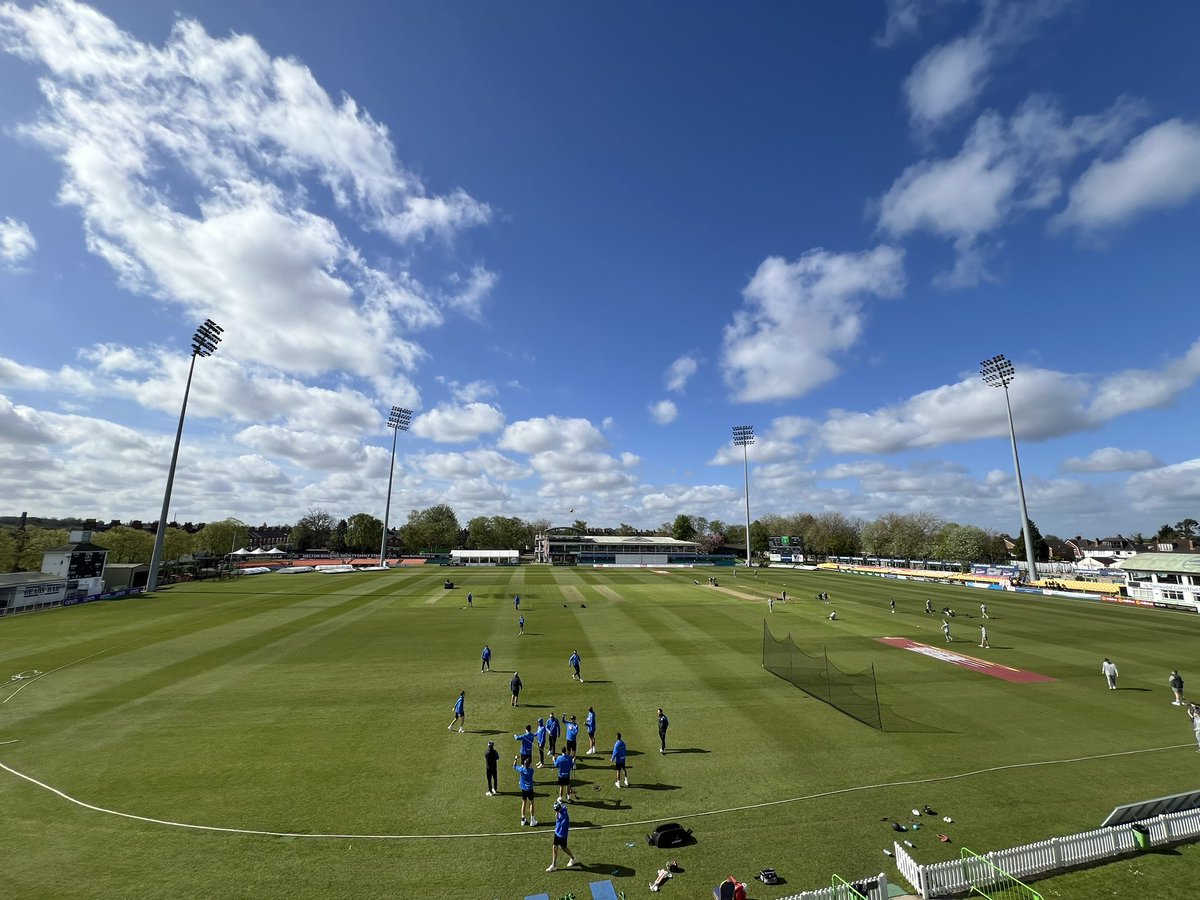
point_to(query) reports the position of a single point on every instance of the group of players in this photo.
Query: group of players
(545, 739)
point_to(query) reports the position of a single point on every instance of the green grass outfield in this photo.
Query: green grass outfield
(318, 705)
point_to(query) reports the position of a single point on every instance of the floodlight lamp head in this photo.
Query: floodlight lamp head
(206, 338)
(742, 435)
(997, 371)
(400, 418)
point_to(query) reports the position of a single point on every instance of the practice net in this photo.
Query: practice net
(854, 693)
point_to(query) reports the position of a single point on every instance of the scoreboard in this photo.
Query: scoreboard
(786, 544)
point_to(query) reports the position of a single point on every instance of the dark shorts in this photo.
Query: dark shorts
(526, 795)
(560, 842)
(592, 733)
(619, 765)
(570, 746)
(564, 780)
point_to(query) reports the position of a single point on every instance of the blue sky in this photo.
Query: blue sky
(581, 241)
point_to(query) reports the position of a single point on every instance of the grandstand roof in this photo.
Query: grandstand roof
(634, 539)
(1161, 562)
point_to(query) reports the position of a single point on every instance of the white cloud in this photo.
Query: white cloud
(310, 449)
(777, 444)
(456, 424)
(473, 464)
(949, 78)
(663, 412)
(249, 139)
(904, 19)
(471, 392)
(1159, 169)
(16, 243)
(679, 372)
(22, 425)
(1174, 488)
(1006, 167)
(1045, 404)
(1110, 459)
(551, 433)
(797, 316)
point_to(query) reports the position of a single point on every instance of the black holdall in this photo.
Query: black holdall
(672, 834)
(768, 876)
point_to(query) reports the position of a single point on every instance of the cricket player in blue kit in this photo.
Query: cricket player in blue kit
(572, 732)
(525, 784)
(460, 712)
(562, 827)
(618, 760)
(589, 724)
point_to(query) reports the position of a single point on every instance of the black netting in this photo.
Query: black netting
(854, 693)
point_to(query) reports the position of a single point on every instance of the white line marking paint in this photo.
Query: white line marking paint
(663, 818)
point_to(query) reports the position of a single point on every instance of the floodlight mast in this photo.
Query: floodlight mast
(204, 343)
(398, 420)
(743, 436)
(999, 372)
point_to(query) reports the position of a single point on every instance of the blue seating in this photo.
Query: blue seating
(603, 890)
(538, 897)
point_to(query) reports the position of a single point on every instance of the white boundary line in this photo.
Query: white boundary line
(696, 815)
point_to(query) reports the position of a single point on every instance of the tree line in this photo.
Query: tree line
(907, 536)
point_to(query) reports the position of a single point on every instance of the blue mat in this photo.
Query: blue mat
(603, 890)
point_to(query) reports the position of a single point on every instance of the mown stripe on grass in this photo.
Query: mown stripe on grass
(140, 685)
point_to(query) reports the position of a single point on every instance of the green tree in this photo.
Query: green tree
(1041, 550)
(833, 534)
(1187, 527)
(313, 530)
(338, 539)
(128, 545)
(38, 541)
(220, 538)
(364, 533)
(435, 528)
(1165, 533)
(682, 529)
(177, 544)
(580, 525)
(8, 550)
(626, 530)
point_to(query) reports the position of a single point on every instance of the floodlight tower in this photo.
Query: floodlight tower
(743, 436)
(398, 420)
(999, 372)
(204, 343)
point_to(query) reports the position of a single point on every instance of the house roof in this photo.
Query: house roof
(1162, 562)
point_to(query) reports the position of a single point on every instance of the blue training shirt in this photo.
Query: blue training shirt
(564, 764)
(524, 776)
(458, 706)
(590, 723)
(618, 754)
(526, 740)
(540, 734)
(572, 730)
(552, 726)
(562, 823)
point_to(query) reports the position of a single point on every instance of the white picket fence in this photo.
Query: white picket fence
(1042, 858)
(878, 892)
